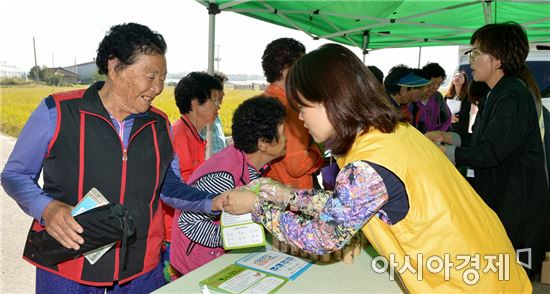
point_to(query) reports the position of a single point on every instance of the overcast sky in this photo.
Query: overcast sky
(70, 31)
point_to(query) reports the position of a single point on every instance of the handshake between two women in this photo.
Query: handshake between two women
(243, 199)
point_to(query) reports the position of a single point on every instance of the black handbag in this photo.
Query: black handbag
(101, 225)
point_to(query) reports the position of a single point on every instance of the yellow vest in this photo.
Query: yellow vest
(447, 222)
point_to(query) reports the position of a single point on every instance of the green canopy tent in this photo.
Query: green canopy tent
(377, 24)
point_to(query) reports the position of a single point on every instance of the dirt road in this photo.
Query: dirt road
(18, 276)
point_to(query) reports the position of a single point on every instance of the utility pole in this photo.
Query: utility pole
(218, 59)
(35, 63)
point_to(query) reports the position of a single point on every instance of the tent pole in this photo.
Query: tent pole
(487, 12)
(366, 40)
(419, 56)
(213, 9)
(211, 35)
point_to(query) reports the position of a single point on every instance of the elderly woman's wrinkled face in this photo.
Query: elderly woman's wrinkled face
(433, 86)
(277, 148)
(416, 94)
(136, 85)
(208, 111)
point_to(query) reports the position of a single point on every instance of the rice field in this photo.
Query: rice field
(232, 99)
(17, 104)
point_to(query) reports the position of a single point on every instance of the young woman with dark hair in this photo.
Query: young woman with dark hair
(395, 186)
(458, 93)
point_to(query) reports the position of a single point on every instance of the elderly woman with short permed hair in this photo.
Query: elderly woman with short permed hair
(111, 138)
(259, 137)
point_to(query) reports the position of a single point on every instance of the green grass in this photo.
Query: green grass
(18, 102)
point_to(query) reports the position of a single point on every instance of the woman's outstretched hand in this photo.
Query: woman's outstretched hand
(275, 192)
(239, 201)
(439, 137)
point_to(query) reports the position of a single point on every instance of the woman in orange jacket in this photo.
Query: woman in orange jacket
(303, 157)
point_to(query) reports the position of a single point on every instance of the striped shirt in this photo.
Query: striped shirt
(201, 227)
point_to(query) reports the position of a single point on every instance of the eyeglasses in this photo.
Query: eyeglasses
(217, 101)
(473, 54)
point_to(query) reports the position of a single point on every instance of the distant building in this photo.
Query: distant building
(66, 77)
(86, 71)
(11, 71)
(247, 84)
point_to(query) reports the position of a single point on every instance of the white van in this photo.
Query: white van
(538, 62)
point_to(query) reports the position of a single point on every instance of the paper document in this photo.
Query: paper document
(238, 279)
(239, 231)
(276, 263)
(454, 105)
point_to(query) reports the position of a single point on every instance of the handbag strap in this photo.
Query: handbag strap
(127, 231)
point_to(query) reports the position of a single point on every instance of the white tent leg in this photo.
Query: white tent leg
(366, 40)
(211, 40)
(211, 44)
(487, 12)
(419, 56)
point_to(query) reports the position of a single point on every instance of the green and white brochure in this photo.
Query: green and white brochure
(239, 279)
(240, 231)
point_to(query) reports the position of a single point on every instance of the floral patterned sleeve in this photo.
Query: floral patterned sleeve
(320, 221)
